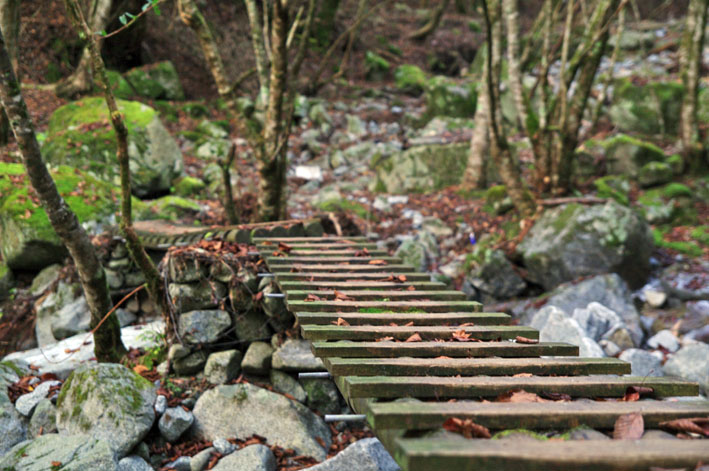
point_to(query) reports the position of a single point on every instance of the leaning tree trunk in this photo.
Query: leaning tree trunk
(108, 346)
(81, 81)
(432, 23)
(10, 27)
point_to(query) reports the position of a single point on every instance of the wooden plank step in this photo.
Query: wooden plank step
(320, 247)
(298, 253)
(421, 454)
(356, 270)
(403, 318)
(374, 307)
(347, 349)
(369, 332)
(347, 277)
(376, 285)
(491, 386)
(528, 415)
(310, 240)
(475, 366)
(331, 260)
(362, 295)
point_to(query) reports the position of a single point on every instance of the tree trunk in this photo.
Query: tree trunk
(259, 46)
(154, 281)
(108, 346)
(432, 23)
(10, 27)
(511, 14)
(81, 81)
(272, 159)
(325, 21)
(690, 71)
(475, 176)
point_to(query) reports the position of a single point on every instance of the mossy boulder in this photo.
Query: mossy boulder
(626, 155)
(7, 281)
(420, 168)
(654, 173)
(170, 208)
(573, 240)
(376, 67)
(158, 81)
(616, 187)
(72, 452)
(189, 186)
(109, 402)
(649, 109)
(81, 135)
(27, 239)
(498, 200)
(410, 79)
(445, 97)
(120, 86)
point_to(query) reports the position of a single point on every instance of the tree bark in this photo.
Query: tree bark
(259, 46)
(511, 14)
(108, 346)
(475, 176)
(154, 281)
(614, 59)
(432, 23)
(10, 27)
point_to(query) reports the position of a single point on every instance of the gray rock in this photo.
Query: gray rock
(201, 459)
(685, 282)
(174, 422)
(74, 452)
(9, 373)
(251, 325)
(286, 384)
(250, 458)
(71, 319)
(323, 395)
(185, 270)
(224, 446)
(587, 434)
(160, 404)
(190, 364)
(665, 339)
(44, 279)
(496, 277)
(26, 403)
(44, 419)
(108, 401)
(658, 435)
(183, 463)
(367, 454)
(655, 297)
(133, 463)
(241, 410)
(223, 366)
(691, 363)
(295, 355)
(63, 295)
(279, 317)
(198, 327)
(642, 363)
(12, 428)
(696, 316)
(257, 359)
(555, 326)
(597, 320)
(611, 349)
(195, 296)
(574, 240)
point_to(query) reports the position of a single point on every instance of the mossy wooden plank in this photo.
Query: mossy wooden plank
(368, 332)
(527, 415)
(403, 318)
(490, 386)
(362, 295)
(423, 454)
(331, 260)
(311, 240)
(342, 268)
(374, 307)
(375, 285)
(337, 277)
(475, 366)
(348, 349)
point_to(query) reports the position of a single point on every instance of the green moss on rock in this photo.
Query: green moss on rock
(648, 109)
(189, 186)
(626, 155)
(445, 97)
(156, 81)
(410, 79)
(613, 186)
(170, 208)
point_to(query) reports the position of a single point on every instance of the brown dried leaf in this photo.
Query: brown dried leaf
(411, 288)
(466, 427)
(414, 338)
(341, 321)
(521, 339)
(384, 339)
(461, 336)
(313, 297)
(523, 375)
(634, 393)
(519, 395)
(698, 425)
(284, 247)
(140, 369)
(340, 296)
(401, 278)
(629, 427)
(361, 253)
(378, 262)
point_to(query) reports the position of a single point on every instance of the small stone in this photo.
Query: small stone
(183, 463)
(658, 435)
(610, 348)
(197, 327)
(367, 454)
(587, 434)
(133, 463)
(160, 404)
(174, 422)
(295, 355)
(191, 364)
(655, 298)
(223, 366)
(44, 419)
(196, 296)
(621, 337)
(223, 446)
(323, 395)
(177, 352)
(44, 279)
(257, 359)
(185, 271)
(250, 458)
(142, 450)
(286, 384)
(201, 459)
(665, 339)
(26, 403)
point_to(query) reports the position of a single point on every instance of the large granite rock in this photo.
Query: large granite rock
(250, 458)
(109, 402)
(495, 276)
(158, 81)
(74, 452)
(626, 155)
(445, 97)
(81, 135)
(572, 241)
(12, 428)
(198, 327)
(691, 363)
(295, 355)
(555, 326)
(650, 109)
(642, 363)
(241, 410)
(367, 454)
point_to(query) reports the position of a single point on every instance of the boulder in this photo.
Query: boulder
(654, 108)
(257, 359)
(71, 319)
(206, 294)
(74, 452)
(198, 327)
(241, 410)
(26, 403)
(44, 419)
(572, 241)
(626, 155)
(12, 428)
(45, 279)
(286, 384)
(80, 135)
(250, 458)
(322, 394)
(109, 402)
(27, 239)
(223, 366)
(642, 363)
(367, 454)
(410, 79)
(133, 463)
(295, 355)
(655, 173)
(555, 326)
(597, 320)
(174, 422)
(444, 97)
(167, 208)
(158, 81)
(420, 168)
(495, 276)
(691, 363)
(687, 282)
(251, 324)
(664, 339)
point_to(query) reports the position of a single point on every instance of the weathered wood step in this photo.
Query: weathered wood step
(375, 285)
(362, 295)
(311, 240)
(320, 247)
(311, 253)
(368, 332)
(491, 386)
(356, 270)
(403, 318)
(424, 454)
(528, 415)
(475, 366)
(347, 349)
(348, 277)
(374, 307)
(332, 260)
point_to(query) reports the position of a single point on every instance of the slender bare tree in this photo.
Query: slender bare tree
(10, 27)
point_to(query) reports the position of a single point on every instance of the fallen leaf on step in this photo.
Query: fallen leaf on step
(384, 339)
(414, 338)
(313, 297)
(466, 427)
(377, 262)
(634, 393)
(698, 425)
(521, 339)
(341, 321)
(629, 427)
(519, 395)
